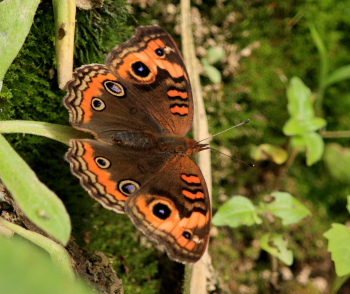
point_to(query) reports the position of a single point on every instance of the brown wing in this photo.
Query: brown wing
(143, 87)
(174, 210)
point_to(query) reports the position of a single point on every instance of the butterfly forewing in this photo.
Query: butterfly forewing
(151, 65)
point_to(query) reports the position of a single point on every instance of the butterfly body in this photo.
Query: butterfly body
(139, 108)
(176, 145)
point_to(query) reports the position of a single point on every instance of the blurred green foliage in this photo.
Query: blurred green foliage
(26, 269)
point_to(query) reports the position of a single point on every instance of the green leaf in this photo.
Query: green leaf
(267, 151)
(299, 99)
(26, 269)
(348, 205)
(301, 126)
(278, 247)
(16, 19)
(298, 141)
(338, 245)
(293, 127)
(235, 212)
(215, 54)
(314, 148)
(213, 73)
(59, 255)
(338, 75)
(38, 203)
(314, 124)
(337, 159)
(288, 208)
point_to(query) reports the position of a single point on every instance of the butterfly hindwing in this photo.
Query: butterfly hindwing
(174, 210)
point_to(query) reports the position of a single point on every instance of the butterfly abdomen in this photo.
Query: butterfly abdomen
(136, 140)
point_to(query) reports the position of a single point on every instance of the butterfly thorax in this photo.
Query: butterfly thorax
(146, 141)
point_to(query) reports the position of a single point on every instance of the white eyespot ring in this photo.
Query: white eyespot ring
(98, 104)
(128, 187)
(114, 88)
(102, 162)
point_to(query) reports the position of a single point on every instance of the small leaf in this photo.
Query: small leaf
(338, 245)
(278, 247)
(213, 74)
(288, 208)
(235, 212)
(301, 126)
(215, 54)
(38, 203)
(338, 75)
(299, 99)
(314, 124)
(267, 151)
(337, 159)
(14, 30)
(298, 141)
(293, 127)
(314, 148)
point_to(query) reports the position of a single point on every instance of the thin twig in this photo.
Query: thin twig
(336, 134)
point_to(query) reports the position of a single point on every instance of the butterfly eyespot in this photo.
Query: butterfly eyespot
(98, 104)
(187, 235)
(128, 187)
(102, 162)
(140, 69)
(160, 52)
(161, 211)
(114, 88)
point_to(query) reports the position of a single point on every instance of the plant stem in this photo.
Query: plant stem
(196, 274)
(291, 159)
(324, 68)
(53, 131)
(64, 11)
(337, 134)
(338, 283)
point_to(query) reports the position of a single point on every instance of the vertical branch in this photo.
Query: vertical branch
(196, 274)
(64, 11)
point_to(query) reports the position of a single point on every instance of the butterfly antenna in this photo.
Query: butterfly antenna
(240, 124)
(233, 158)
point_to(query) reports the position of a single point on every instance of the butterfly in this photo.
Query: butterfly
(139, 108)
